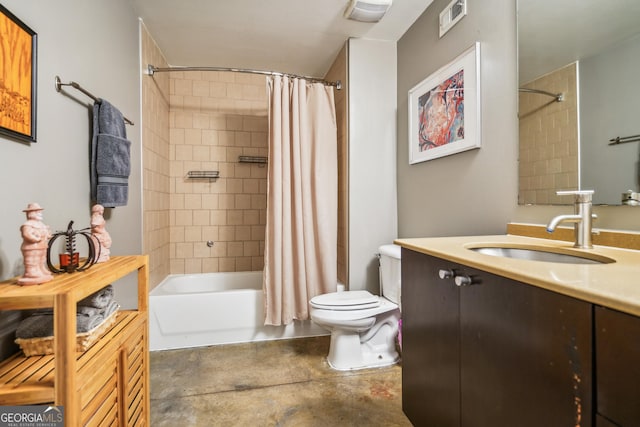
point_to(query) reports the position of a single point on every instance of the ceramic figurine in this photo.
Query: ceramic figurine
(99, 233)
(35, 237)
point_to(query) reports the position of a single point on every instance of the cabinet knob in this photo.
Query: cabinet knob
(463, 280)
(445, 274)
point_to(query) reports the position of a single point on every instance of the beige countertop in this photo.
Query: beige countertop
(615, 285)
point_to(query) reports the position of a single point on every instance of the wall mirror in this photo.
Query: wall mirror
(587, 51)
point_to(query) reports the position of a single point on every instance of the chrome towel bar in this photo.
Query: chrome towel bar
(623, 139)
(76, 86)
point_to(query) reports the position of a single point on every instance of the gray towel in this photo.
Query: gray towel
(86, 323)
(110, 156)
(88, 311)
(99, 299)
(113, 168)
(40, 324)
(89, 306)
(113, 306)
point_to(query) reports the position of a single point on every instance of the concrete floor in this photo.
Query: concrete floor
(270, 383)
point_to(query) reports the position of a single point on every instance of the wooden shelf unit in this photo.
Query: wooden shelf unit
(108, 384)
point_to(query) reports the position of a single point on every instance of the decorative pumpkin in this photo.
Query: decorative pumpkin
(70, 260)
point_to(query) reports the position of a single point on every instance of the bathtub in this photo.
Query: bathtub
(193, 310)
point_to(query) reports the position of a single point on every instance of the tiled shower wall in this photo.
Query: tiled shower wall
(155, 159)
(214, 118)
(548, 139)
(203, 121)
(338, 71)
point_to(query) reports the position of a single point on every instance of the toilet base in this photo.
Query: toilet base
(373, 348)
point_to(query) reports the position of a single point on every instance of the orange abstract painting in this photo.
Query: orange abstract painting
(17, 77)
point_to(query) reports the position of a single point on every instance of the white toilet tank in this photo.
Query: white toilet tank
(390, 272)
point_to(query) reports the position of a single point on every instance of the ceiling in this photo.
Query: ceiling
(292, 36)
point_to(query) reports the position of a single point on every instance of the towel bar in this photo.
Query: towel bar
(624, 139)
(75, 85)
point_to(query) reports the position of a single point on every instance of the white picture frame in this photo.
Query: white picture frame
(444, 109)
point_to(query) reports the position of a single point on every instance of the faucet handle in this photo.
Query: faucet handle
(581, 196)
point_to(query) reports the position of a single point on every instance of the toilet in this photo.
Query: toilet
(363, 326)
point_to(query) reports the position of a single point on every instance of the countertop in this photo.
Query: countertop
(615, 285)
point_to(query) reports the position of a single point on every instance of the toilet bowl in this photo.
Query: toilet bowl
(363, 326)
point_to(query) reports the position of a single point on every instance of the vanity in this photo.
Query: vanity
(492, 339)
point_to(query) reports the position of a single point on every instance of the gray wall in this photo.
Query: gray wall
(474, 192)
(94, 43)
(609, 100)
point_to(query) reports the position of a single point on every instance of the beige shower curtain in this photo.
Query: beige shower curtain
(302, 198)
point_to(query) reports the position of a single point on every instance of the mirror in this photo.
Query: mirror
(588, 51)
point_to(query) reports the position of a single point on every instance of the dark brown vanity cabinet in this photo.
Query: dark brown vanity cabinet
(482, 350)
(617, 368)
(430, 343)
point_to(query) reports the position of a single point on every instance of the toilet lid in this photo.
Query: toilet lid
(347, 300)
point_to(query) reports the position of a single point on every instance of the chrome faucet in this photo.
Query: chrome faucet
(582, 218)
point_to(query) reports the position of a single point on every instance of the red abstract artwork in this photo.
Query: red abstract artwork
(444, 109)
(441, 113)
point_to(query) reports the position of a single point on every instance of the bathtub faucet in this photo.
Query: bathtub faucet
(582, 218)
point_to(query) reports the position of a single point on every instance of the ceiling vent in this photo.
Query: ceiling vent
(455, 11)
(367, 10)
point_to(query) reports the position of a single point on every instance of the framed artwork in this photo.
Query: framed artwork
(444, 109)
(18, 69)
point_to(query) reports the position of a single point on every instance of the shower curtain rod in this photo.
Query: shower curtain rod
(151, 69)
(558, 96)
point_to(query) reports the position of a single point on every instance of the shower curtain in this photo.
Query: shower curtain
(302, 198)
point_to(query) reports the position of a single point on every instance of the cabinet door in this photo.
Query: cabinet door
(430, 343)
(525, 355)
(99, 391)
(618, 366)
(134, 366)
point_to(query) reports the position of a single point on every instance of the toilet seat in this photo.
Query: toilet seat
(344, 315)
(345, 301)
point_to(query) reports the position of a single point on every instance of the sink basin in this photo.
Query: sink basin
(544, 254)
